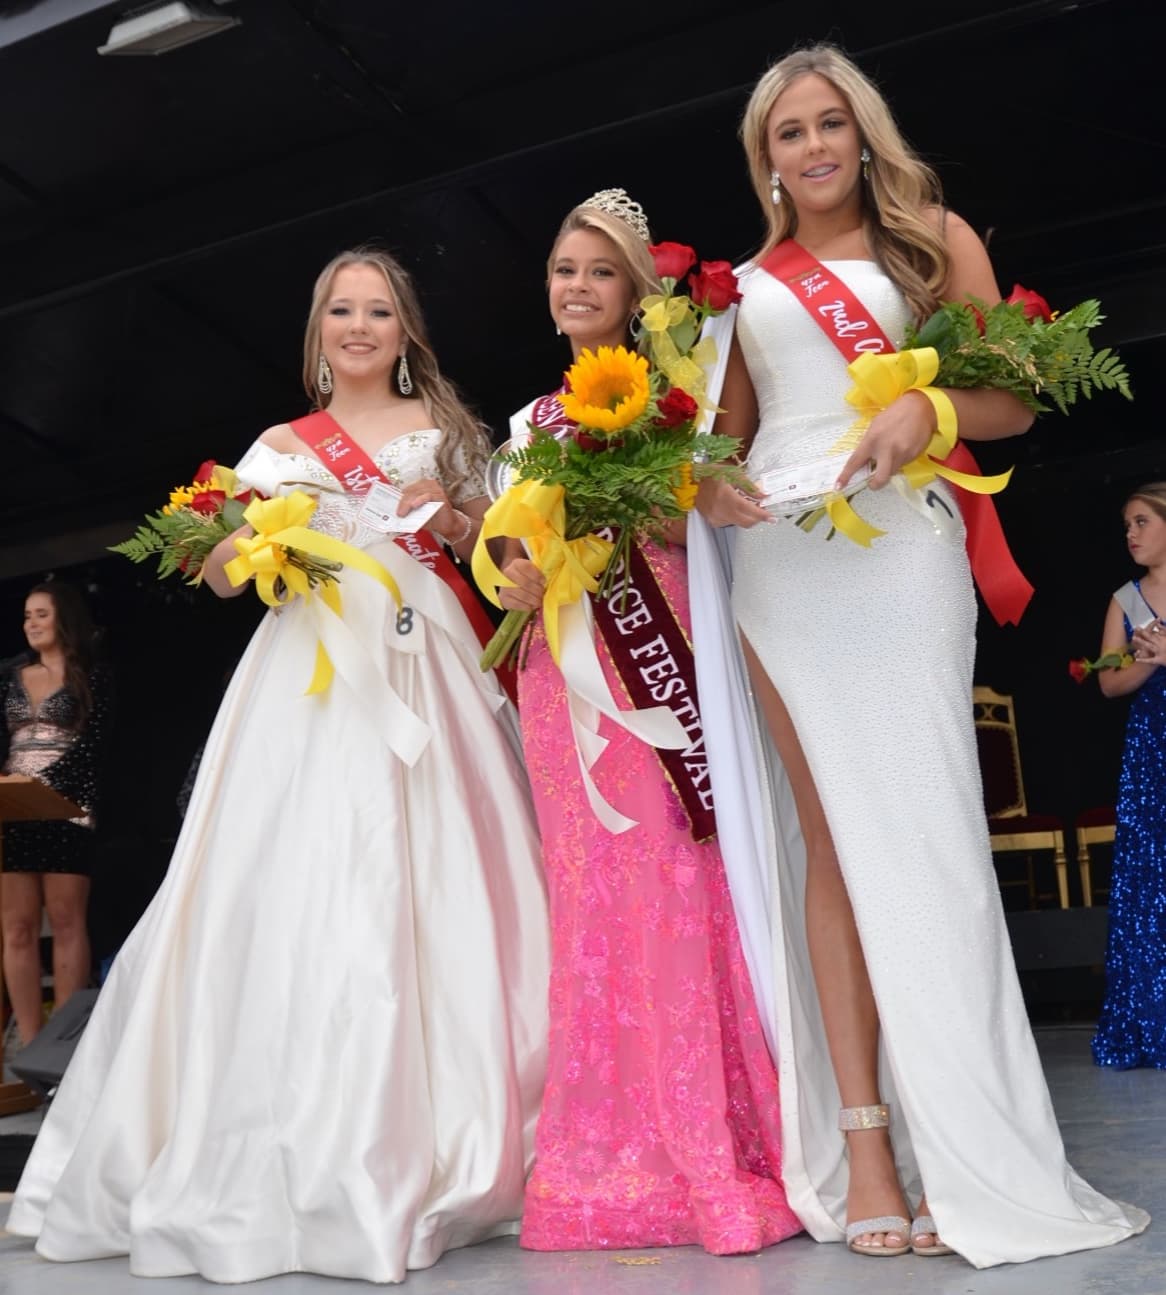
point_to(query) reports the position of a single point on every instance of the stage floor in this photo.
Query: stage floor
(1115, 1129)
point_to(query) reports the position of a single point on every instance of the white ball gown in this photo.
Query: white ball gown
(872, 651)
(322, 1047)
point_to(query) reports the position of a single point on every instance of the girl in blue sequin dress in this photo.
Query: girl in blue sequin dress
(1132, 1029)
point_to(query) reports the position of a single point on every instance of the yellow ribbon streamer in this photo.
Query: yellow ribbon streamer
(879, 380)
(537, 513)
(280, 524)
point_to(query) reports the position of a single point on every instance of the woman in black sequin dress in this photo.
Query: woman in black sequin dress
(53, 712)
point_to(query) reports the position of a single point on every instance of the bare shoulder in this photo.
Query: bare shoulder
(970, 273)
(282, 439)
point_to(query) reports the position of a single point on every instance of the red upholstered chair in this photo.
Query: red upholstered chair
(1093, 827)
(1013, 829)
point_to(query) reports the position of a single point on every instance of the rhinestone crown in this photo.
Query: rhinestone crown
(616, 202)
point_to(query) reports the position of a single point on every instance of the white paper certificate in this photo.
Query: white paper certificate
(380, 511)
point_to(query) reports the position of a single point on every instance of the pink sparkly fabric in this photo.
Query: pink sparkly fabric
(660, 1122)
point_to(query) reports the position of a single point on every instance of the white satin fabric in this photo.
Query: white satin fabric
(322, 1048)
(872, 653)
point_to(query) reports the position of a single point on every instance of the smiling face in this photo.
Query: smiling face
(813, 143)
(1145, 533)
(40, 622)
(591, 292)
(360, 332)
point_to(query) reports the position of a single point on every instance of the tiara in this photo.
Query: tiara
(617, 203)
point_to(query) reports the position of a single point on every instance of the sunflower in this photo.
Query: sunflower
(608, 390)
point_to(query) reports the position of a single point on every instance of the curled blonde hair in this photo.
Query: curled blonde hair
(906, 244)
(1152, 493)
(464, 445)
(634, 256)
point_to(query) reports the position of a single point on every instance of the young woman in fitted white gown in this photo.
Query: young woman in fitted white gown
(322, 1047)
(896, 996)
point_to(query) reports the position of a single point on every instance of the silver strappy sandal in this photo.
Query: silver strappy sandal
(852, 1119)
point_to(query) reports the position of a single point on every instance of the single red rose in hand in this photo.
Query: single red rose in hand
(672, 259)
(205, 470)
(1035, 306)
(208, 502)
(715, 286)
(1079, 669)
(675, 408)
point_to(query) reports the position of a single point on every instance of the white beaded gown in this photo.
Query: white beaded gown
(322, 1047)
(872, 651)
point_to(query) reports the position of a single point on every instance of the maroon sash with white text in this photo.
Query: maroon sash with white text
(356, 471)
(850, 326)
(652, 655)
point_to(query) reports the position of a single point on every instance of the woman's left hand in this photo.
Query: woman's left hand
(446, 521)
(897, 435)
(1149, 644)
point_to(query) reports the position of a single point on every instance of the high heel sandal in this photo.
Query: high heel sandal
(852, 1119)
(924, 1226)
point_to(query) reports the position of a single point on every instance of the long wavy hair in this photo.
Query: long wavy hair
(464, 444)
(900, 186)
(633, 252)
(1153, 493)
(76, 637)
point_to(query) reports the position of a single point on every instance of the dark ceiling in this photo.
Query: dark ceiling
(162, 219)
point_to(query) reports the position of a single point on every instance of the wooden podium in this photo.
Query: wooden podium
(23, 798)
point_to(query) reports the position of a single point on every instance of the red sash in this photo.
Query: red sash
(341, 455)
(652, 655)
(833, 306)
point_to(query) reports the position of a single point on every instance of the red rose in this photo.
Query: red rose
(208, 502)
(979, 318)
(205, 470)
(672, 259)
(1035, 306)
(592, 444)
(675, 408)
(715, 286)
(1079, 669)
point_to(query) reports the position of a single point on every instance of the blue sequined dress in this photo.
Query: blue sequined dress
(1132, 1028)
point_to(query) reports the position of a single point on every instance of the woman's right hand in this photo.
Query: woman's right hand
(529, 584)
(721, 504)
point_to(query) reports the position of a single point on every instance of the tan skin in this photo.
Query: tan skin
(591, 298)
(361, 337)
(1146, 539)
(63, 896)
(814, 145)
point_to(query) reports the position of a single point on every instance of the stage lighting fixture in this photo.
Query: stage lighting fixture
(161, 28)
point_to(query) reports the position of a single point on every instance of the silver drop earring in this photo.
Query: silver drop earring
(323, 376)
(775, 194)
(558, 331)
(404, 381)
(864, 158)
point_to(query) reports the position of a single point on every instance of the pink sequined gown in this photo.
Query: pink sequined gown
(660, 1123)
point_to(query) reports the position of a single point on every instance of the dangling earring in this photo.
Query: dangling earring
(558, 331)
(404, 381)
(775, 180)
(864, 158)
(323, 376)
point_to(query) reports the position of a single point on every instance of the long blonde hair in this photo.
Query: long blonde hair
(634, 256)
(464, 445)
(908, 247)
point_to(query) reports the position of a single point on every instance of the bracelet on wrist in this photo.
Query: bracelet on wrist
(467, 528)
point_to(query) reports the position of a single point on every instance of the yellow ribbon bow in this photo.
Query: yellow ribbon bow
(537, 513)
(879, 380)
(282, 523)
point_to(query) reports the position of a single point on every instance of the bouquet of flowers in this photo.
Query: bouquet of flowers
(183, 532)
(1021, 345)
(634, 460)
(1018, 345)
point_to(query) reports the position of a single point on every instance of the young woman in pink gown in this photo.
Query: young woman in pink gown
(660, 1121)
